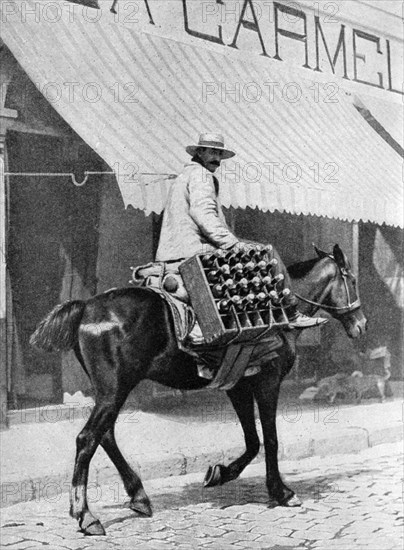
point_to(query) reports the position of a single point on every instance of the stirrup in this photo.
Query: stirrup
(195, 336)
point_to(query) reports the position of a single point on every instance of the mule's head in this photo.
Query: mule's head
(342, 300)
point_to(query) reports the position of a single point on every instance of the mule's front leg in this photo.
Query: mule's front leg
(266, 394)
(242, 400)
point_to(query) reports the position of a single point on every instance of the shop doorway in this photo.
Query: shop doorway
(52, 247)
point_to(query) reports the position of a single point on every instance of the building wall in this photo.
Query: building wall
(125, 239)
(382, 283)
(51, 255)
(380, 277)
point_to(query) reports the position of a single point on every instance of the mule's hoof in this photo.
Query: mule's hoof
(213, 476)
(142, 507)
(292, 502)
(93, 527)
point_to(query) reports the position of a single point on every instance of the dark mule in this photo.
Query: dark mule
(123, 336)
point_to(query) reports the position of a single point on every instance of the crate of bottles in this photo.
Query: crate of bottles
(237, 297)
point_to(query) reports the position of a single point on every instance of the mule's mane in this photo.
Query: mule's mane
(301, 269)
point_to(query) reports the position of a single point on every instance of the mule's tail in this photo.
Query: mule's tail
(59, 330)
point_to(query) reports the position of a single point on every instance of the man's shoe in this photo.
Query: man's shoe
(303, 321)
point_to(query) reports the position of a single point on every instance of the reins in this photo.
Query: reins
(351, 306)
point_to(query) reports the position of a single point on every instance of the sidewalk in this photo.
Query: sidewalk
(37, 457)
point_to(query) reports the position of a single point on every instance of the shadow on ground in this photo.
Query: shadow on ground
(319, 488)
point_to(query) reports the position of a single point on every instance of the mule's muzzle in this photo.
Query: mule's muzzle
(355, 325)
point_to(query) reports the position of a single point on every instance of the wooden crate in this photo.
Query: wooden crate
(206, 311)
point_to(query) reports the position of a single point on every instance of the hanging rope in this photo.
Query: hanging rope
(73, 177)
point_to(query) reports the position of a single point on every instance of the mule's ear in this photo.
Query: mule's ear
(320, 253)
(339, 256)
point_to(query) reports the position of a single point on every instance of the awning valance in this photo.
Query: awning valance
(138, 99)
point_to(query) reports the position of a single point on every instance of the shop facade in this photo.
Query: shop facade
(97, 109)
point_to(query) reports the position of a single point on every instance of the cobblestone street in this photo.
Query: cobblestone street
(349, 502)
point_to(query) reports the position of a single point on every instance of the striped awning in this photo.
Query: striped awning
(138, 99)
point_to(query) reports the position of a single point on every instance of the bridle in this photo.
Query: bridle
(338, 310)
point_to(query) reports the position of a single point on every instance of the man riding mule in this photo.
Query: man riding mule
(127, 335)
(194, 223)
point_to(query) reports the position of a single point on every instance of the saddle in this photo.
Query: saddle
(224, 365)
(162, 275)
(164, 279)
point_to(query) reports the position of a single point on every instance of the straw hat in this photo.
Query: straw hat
(211, 141)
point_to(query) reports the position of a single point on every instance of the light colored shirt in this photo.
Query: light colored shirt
(193, 220)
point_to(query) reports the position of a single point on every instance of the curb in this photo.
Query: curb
(50, 487)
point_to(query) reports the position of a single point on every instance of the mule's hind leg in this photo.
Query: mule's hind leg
(139, 501)
(101, 420)
(242, 400)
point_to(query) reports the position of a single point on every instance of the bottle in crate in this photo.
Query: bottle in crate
(215, 259)
(251, 305)
(224, 306)
(250, 266)
(262, 267)
(255, 284)
(218, 290)
(231, 259)
(225, 310)
(208, 260)
(278, 279)
(275, 298)
(225, 269)
(230, 286)
(230, 256)
(237, 268)
(272, 264)
(250, 301)
(242, 286)
(263, 306)
(238, 276)
(263, 300)
(263, 251)
(267, 282)
(272, 283)
(286, 296)
(241, 313)
(213, 276)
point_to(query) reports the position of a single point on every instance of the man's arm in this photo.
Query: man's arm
(204, 210)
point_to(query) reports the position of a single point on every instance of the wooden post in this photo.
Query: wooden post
(355, 248)
(3, 312)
